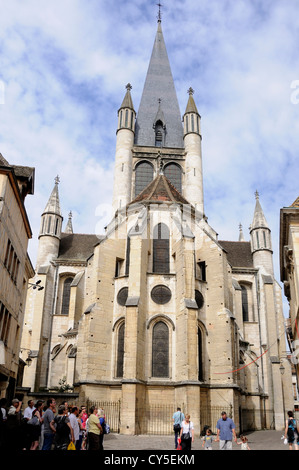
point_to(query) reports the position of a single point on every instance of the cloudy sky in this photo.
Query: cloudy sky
(64, 67)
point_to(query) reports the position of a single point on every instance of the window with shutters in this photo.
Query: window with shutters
(120, 351)
(173, 173)
(66, 294)
(161, 249)
(160, 350)
(144, 174)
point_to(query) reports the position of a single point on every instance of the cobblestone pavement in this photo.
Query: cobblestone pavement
(258, 440)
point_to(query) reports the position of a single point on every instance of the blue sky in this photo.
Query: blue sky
(64, 67)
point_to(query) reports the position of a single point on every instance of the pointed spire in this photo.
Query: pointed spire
(259, 219)
(241, 234)
(127, 101)
(69, 225)
(53, 205)
(159, 84)
(191, 106)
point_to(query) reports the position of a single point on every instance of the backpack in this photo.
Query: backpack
(61, 425)
(106, 428)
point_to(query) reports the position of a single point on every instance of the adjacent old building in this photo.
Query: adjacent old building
(15, 267)
(159, 310)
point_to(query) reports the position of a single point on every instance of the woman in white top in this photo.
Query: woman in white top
(187, 434)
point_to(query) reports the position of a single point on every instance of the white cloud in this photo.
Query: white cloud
(65, 65)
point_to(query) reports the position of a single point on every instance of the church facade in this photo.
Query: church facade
(158, 309)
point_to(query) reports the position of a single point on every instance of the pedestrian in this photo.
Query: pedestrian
(207, 440)
(28, 411)
(34, 425)
(49, 429)
(94, 429)
(225, 432)
(101, 415)
(75, 425)
(291, 431)
(187, 434)
(244, 443)
(81, 429)
(177, 419)
(63, 429)
(3, 418)
(15, 440)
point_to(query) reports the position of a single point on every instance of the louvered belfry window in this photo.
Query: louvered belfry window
(161, 249)
(173, 173)
(66, 296)
(144, 174)
(120, 351)
(160, 350)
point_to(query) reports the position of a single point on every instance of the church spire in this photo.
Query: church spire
(261, 242)
(69, 225)
(159, 85)
(241, 234)
(53, 204)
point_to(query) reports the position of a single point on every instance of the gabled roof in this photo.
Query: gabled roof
(160, 189)
(159, 89)
(296, 203)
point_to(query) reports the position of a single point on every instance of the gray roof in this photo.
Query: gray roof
(77, 246)
(238, 253)
(159, 87)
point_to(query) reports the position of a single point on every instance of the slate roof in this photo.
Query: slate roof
(238, 253)
(160, 189)
(159, 89)
(74, 246)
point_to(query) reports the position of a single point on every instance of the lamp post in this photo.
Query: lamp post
(35, 285)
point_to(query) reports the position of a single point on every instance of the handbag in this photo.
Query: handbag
(71, 446)
(177, 427)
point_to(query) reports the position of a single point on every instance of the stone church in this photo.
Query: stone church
(158, 310)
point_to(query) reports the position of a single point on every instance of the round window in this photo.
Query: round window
(199, 299)
(122, 296)
(161, 294)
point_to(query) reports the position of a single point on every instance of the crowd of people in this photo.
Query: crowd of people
(49, 426)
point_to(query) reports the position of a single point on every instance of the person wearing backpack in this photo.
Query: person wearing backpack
(291, 431)
(64, 432)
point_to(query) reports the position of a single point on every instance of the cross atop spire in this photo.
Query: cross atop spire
(159, 17)
(257, 194)
(191, 91)
(57, 180)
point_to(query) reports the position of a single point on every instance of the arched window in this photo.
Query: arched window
(120, 351)
(66, 296)
(160, 350)
(144, 174)
(161, 249)
(173, 172)
(245, 304)
(200, 354)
